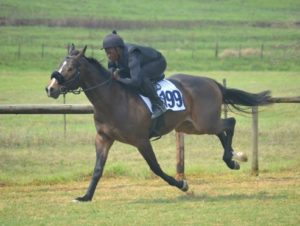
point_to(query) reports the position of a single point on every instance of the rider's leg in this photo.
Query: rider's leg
(148, 90)
(152, 72)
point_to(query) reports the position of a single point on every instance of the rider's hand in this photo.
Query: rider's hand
(116, 75)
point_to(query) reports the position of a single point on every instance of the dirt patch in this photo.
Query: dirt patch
(246, 52)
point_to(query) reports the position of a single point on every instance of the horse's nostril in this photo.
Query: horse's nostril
(49, 89)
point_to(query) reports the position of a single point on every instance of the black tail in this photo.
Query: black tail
(235, 97)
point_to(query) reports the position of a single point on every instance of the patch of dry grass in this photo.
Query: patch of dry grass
(244, 52)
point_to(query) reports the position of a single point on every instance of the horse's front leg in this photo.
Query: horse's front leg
(103, 144)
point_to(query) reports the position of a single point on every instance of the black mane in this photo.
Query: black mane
(98, 65)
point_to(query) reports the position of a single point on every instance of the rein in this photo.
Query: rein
(64, 90)
(79, 90)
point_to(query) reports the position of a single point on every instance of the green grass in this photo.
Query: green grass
(188, 44)
(184, 49)
(38, 152)
(271, 199)
(233, 10)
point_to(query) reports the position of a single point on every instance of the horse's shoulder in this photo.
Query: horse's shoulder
(129, 95)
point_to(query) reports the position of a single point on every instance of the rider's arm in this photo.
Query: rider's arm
(111, 67)
(134, 64)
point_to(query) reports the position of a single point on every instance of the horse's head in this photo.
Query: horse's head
(68, 75)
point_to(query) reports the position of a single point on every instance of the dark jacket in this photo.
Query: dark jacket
(134, 58)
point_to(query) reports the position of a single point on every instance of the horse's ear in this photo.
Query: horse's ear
(82, 52)
(71, 48)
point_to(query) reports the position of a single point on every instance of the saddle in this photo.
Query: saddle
(172, 97)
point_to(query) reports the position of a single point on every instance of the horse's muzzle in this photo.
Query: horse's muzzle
(52, 92)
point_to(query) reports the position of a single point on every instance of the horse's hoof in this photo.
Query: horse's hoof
(236, 166)
(185, 186)
(82, 199)
(240, 156)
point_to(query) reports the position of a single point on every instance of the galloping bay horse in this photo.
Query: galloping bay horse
(120, 114)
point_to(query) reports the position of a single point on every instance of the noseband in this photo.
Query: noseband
(73, 81)
(58, 76)
(66, 83)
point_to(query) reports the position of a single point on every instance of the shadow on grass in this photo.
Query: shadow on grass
(191, 197)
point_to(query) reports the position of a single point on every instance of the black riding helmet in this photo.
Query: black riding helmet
(112, 40)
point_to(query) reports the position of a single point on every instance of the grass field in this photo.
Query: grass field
(218, 199)
(40, 138)
(233, 10)
(256, 35)
(42, 170)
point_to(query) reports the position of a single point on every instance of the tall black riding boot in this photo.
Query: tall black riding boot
(158, 107)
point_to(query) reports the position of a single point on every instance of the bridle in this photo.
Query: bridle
(73, 81)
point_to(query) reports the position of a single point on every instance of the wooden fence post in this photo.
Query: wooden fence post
(255, 168)
(180, 155)
(65, 117)
(43, 49)
(68, 47)
(19, 51)
(217, 50)
(262, 51)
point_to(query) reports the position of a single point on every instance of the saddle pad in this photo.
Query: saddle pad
(169, 94)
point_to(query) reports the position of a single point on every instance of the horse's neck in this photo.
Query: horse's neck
(105, 90)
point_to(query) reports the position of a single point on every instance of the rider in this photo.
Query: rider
(136, 66)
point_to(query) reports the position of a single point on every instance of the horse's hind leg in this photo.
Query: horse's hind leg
(147, 152)
(226, 139)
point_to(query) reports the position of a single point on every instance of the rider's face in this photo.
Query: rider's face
(112, 54)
